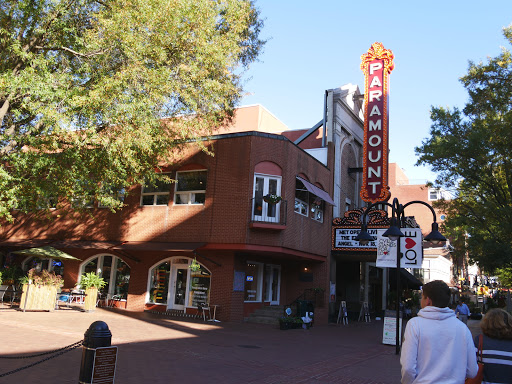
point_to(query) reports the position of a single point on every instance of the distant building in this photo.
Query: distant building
(437, 263)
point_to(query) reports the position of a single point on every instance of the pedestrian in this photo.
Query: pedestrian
(462, 311)
(437, 347)
(496, 327)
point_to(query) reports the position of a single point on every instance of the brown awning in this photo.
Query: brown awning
(317, 191)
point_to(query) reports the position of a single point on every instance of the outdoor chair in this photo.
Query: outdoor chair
(63, 298)
(3, 290)
(115, 299)
(202, 308)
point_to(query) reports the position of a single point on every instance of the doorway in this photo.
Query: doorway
(178, 289)
(272, 283)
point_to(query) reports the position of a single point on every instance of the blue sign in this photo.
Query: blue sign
(249, 278)
(57, 263)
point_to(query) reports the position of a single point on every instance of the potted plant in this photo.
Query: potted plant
(272, 198)
(40, 290)
(91, 283)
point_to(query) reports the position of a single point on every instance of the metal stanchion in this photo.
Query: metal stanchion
(98, 335)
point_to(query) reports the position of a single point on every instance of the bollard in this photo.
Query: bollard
(98, 335)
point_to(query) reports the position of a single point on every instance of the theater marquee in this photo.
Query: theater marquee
(377, 65)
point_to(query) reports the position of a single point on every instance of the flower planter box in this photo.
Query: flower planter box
(38, 297)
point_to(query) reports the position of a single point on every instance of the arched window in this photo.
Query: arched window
(111, 268)
(40, 264)
(174, 283)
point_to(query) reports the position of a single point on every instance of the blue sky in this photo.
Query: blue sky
(314, 46)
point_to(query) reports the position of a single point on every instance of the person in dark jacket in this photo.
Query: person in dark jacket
(496, 327)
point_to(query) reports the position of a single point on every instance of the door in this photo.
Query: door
(178, 288)
(262, 210)
(273, 283)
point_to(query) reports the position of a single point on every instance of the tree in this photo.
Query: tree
(471, 151)
(96, 94)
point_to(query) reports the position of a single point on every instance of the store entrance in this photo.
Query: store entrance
(272, 283)
(178, 286)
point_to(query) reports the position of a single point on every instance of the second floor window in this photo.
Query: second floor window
(190, 187)
(156, 194)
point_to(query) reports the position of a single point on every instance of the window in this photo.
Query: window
(39, 264)
(190, 187)
(307, 203)
(115, 272)
(157, 194)
(169, 273)
(112, 194)
(437, 194)
(263, 208)
(253, 281)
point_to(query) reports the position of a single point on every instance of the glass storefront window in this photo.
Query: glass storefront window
(253, 281)
(113, 270)
(173, 278)
(159, 285)
(199, 290)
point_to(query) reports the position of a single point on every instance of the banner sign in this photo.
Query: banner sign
(377, 65)
(410, 248)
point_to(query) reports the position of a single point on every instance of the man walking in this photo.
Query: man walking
(437, 347)
(462, 311)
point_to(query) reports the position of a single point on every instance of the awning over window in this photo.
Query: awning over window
(317, 191)
(406, 279)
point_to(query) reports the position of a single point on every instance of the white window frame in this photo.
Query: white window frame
(264, 205)
(155, 195)
(190, 195)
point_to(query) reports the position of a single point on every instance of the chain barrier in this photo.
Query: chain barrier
(55, 353)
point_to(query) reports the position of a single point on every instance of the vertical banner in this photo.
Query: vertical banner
(410, 248)
(377, 65)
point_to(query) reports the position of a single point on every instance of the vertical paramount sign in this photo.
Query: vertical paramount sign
(377, 65)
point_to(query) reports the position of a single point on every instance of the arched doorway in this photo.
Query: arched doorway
(173, 283)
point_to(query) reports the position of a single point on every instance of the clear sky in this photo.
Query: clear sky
(314, 46)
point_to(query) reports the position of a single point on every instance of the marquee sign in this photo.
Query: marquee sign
(346, 229)
(377, 65)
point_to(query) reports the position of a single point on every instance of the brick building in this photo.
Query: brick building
(437, 263)
(210, 237)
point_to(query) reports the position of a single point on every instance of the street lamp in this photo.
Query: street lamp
(394, 233)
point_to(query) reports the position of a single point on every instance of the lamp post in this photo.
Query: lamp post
(394, 233)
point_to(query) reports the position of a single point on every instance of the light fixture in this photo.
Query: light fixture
(363, 236)
(393, 232)
(435, 237)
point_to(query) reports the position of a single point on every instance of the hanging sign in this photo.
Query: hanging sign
(410, 248)
(377, 65)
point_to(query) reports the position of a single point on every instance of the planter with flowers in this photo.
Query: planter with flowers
(272, 198)
(40, 290)
(91, 282)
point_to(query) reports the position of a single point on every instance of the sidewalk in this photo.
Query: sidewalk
(156, 349)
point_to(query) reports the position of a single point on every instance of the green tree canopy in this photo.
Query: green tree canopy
(95, 94)
(471, 151)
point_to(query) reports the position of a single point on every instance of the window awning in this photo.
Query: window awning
(317, 191)
(406, 278)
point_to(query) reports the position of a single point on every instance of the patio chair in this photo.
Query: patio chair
(63, 298)
(202, 308)
(3, 290)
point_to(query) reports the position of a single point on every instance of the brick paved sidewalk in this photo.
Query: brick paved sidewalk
(157, 349)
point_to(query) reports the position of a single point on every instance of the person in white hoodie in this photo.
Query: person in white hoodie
(437, 347)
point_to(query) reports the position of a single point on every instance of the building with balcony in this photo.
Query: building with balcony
(245, 228)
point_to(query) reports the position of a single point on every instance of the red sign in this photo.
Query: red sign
(376, 64)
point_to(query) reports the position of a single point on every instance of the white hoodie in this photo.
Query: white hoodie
(437, 348)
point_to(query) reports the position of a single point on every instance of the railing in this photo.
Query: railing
(307, 301)
(268, 213)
